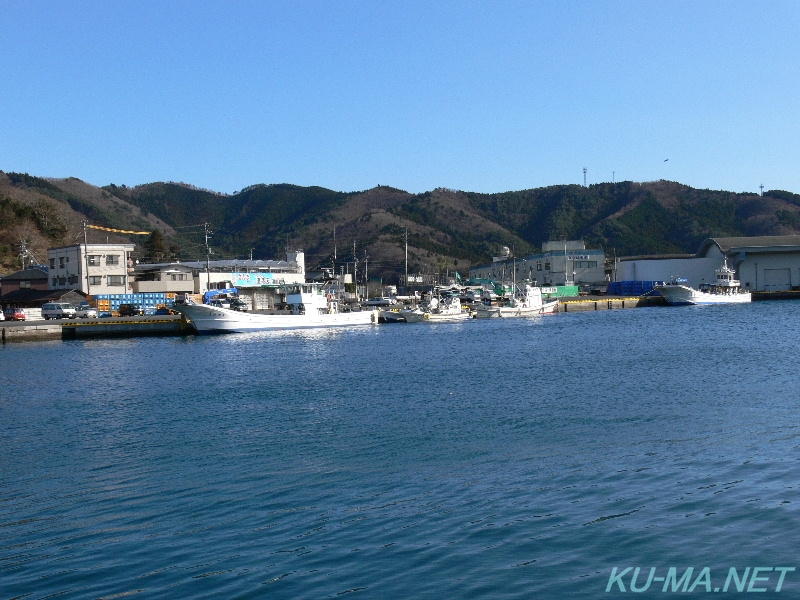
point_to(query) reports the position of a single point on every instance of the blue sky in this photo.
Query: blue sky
(477, 96)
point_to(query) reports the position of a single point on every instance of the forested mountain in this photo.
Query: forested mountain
(445, 229)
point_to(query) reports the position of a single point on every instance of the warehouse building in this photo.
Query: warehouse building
(762, 264)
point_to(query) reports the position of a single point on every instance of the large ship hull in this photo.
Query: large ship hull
(208, 319)
(683, 295)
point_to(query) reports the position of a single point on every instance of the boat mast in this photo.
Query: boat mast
(406, 261)
(208, 232)
(513, 276)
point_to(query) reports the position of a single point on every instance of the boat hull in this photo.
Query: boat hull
(420, 316)
(207, 319)
(683, 295)
(392, 316)
(489, 312)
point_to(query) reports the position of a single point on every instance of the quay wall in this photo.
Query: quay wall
(35, 330)
(609, 303)
(128, 328)
(31, 331)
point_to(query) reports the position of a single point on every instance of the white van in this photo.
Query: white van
(58, 310)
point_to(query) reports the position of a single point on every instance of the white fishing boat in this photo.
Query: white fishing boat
(308, 306)
(526, 302)
(726, 289)
(447, 308)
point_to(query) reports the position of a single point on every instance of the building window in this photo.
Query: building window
(539, 266)
(52, 263)
(177, 277)
(62, 281)
(547, 266)
(585, 264)
(25, 284)
(61, 262)
(73, 279)
(115, 280)
(55, 281)
(94, 260)
(112, 259)
(95, 280)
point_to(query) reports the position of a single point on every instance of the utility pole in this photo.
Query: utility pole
(86, 255)
(23, 252)
(355, 268)
(406, 281)
(584, 176)
(208, 232)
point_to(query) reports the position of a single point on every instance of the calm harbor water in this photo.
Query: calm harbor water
(488, 459)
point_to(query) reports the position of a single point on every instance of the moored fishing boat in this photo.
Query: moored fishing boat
(437, 309)
(309, 306)
(526, 302)
(726, 289)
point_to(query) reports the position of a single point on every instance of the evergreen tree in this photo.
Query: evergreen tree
(155, 248)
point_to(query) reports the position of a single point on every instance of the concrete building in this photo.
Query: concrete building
(91, 268)
(560, 263)
(762, 264)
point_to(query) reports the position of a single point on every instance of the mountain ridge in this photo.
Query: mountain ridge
(445, 228)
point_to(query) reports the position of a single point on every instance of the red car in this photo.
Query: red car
(14, 314)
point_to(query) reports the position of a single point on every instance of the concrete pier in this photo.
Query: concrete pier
(126, 327)
(609, 303)
(29, 331)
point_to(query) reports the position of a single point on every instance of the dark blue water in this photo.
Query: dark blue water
(488, 459)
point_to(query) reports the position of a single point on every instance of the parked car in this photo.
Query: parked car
(2, 316)
(130, 310)
(58, 310)
(86, 311)
(221, 303)
(229, 303)
(14, 314)
(240, 305)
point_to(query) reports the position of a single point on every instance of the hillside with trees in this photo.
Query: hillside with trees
(445, 229)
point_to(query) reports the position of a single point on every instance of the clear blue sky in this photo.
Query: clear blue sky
(478, 96)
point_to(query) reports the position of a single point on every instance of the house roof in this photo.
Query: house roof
(27, 274)
(34, 297)
(218, 265)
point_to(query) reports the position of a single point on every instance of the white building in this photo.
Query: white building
(762, 264)
(560, 263)
(91, 268)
